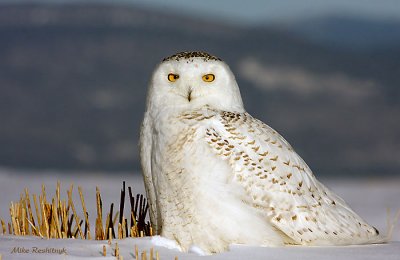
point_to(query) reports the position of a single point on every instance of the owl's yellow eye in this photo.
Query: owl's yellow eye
(173, 77)
(208, 77)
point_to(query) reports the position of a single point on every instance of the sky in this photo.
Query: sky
(263, 11)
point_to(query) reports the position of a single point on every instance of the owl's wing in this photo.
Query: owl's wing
(145, 156)
(280, 184)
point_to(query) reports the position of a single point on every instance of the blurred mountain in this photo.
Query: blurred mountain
(349, 32)
(73, 82)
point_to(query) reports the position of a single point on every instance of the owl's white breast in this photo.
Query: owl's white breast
(197, 201)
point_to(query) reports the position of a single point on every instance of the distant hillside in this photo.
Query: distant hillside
(73, 84)
(346, 32)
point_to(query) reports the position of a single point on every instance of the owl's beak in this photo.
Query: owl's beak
(189, 95)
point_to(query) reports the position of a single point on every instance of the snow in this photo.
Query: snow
(197, 250)
(368, 197)
(84, 249)
(165, 242)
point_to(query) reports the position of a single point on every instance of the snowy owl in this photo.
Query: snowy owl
(215, 175)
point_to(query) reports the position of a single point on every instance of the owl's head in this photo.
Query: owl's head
(190, 80)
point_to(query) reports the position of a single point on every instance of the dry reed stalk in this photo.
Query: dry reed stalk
(110, 222)
(115, 220)
(107, 227)
(151, 253)
(100, 232)
(136, 252)
(34, 228)
(124, 228)
(45, 228)
(64, 219)
(58, 197)
(144, 256)
(57, 225)
(13, 220)
(99, 235)
(104, 250)
(42, 215)
(3, 226)
(133, 232)
(22, 222)
(31, 218)
(134, 228)
(38, 215)
(42, 203)
(109, 236)
(61, 212)
(71, 203)
(116, 250)
(24, 216)
(119, 231)
(44, 194)
(85, 212)
(122, 202)
(17, 226)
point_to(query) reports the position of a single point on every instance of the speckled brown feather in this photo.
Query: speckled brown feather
(189, 55)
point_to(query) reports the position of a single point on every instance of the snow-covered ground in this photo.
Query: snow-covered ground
(368, 197)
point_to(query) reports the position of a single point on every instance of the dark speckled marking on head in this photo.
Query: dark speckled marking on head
(190, 55)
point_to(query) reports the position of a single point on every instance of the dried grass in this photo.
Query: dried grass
(60, 219)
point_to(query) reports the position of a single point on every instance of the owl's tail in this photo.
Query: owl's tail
(391, 224)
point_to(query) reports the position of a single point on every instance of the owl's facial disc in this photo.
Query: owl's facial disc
(191, 84)
(196, 81)
(206, 78)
